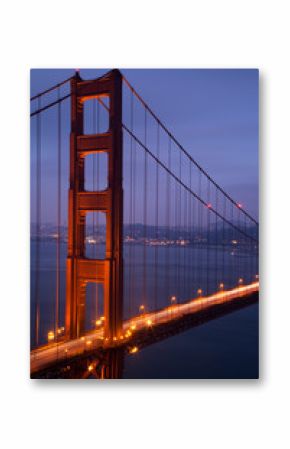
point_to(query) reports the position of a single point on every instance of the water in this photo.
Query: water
(223, 348)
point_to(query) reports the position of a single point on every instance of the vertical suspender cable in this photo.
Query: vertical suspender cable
(156, 275)
(168, 221)
(145, 213)
(199, 252)
(216, 239)
(223, 240)
(58, 202)
(208, 238)
(38, 223)
(131, 207)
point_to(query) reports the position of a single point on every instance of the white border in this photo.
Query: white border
(145, 34)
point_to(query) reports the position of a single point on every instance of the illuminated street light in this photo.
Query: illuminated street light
(173, 299)
(149, 323)
(90, 367)
(221, 286)
(142, 308)
(50, 336)
(241, 281)
(199, 292)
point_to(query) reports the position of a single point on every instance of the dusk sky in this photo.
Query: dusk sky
(212, 113)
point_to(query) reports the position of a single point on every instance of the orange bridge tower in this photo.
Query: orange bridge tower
(79, 269)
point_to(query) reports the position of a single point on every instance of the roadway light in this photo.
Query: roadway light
(221, 286)
(141, 308)
(241, 281)
(173, 299)
(199, 292)
(50, 336)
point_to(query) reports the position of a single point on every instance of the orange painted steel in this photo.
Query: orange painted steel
(79, 269)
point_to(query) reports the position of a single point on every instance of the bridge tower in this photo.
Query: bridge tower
(79, 269)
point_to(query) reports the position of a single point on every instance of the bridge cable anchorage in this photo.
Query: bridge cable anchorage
(183, 149)
(141, 144)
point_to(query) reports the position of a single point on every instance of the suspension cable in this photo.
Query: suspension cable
(50, 89)
(183, 149)
(141, 144)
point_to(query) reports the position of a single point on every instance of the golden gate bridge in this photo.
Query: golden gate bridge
(131, 238)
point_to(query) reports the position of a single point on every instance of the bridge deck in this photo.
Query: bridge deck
(65, 350)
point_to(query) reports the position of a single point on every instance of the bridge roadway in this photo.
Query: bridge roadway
(52, 353)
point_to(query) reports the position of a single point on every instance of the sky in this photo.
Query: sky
(213, 113)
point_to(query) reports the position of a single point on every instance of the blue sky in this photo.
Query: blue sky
(212, 112)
